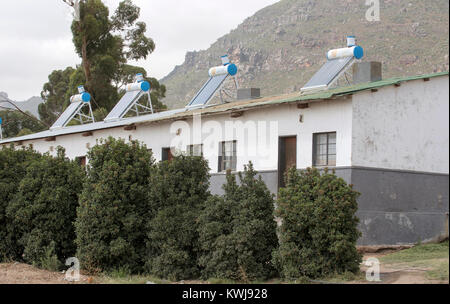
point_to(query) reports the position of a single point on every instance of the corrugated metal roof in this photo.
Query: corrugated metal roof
(222, 108)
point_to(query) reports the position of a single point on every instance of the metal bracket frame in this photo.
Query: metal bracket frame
(145, 108)
(222, 91)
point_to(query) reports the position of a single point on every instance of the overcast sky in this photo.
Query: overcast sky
(35, 36)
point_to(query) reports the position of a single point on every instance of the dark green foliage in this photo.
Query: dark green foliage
(110, 225)
(13, 166)
(238, 231)
(319, 228)
(55, 94)
(44, 209)
(17, 124)
(178, 189)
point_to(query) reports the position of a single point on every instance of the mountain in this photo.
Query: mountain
(280, 47)
(31, 105)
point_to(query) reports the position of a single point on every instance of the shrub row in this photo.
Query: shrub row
(127, 212)
(39, 198)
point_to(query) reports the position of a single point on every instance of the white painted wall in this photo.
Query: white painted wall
(256, 132)
(404, 128)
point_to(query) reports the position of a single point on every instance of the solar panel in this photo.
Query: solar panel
(124, 105)
(68, 115)
(328, 73)
(208, 90)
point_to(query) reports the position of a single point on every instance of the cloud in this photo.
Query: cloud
(36, 38)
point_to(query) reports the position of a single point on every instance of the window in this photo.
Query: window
(195, 150)
(227, 156)
(324, 149)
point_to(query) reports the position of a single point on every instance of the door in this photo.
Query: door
(167, 154)
(287, 155)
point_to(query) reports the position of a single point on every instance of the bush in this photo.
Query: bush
(238, 231)
(178, 189)
(44, 209)
(13, 165)
(319, 231)
(110, 226)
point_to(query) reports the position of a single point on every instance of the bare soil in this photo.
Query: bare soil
(400, 273)
(16, 273)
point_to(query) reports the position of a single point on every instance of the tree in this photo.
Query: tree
(110, 226)
(44, 208)
(319, 230)
(106, 43)
(238, 231)
(178, 190)
(16, 124)
(13, 165)
(56, 94)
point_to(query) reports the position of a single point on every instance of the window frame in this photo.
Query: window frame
(222, 161)
(316, 148)
(190, 150)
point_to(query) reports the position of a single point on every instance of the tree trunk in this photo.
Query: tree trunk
(86, 63)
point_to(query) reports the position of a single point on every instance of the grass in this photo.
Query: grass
(129, 280)
(433, 258)
(123, 276)
(418, 253)
(440, 272)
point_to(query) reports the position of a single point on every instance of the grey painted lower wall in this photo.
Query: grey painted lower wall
(395, 207)
(400, 207)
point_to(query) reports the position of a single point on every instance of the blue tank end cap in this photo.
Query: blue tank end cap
(1, 120)
(358, 52)
(232, 69)
(145, 86)
(86, 97)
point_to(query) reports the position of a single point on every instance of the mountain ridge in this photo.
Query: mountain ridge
(30, 105)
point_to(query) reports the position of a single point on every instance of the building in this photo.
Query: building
(389, 138)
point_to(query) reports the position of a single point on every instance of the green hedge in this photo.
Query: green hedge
(319, 231)
(138, 216)
(43, 210)
(238, 231)
(13, 165)
(110, 224)
(178, 189)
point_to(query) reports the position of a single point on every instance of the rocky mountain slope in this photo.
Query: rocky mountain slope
(281, 46)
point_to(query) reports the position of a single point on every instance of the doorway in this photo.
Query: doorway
(287, 157)
(167, 154)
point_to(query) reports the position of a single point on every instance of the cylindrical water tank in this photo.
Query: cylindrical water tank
(223, 70)
(140, 86)
(355, 51)
(85, 97)
(351, 41)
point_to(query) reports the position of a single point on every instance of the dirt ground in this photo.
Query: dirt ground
(15, 273)
(399, 273)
